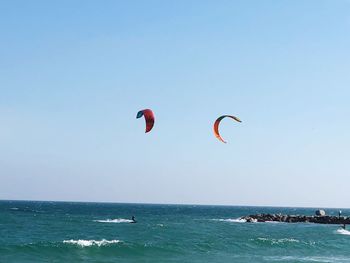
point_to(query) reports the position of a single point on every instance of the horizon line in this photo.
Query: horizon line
(149, 203)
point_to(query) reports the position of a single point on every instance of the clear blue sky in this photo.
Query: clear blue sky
(73, 75)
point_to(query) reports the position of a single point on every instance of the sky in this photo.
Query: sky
(74, 74)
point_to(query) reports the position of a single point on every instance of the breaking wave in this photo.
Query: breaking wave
(278, 241)
(231, 220)
(117, 220)
(307, 259)
(282, 241)
(89, 243)
(343, 232)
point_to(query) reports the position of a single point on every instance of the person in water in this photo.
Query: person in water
(339, 215)
(133, 219)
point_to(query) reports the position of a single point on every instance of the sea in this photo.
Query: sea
(102, 232)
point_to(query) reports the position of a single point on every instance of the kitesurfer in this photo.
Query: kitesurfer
(133, 219)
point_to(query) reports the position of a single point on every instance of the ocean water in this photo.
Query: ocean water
(101, 232)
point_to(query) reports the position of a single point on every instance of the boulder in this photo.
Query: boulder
(320, 212)
(320, 218)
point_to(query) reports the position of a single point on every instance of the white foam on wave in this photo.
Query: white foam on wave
(89, 243)
(342, 231)
(273, 222)
(281, 241)
(278, 241)
(307, 259)
(117, 220)
(231, 220)
(14, 208)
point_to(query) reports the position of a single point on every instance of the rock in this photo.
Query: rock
(251, 220)
(320, 219)
(320, 212)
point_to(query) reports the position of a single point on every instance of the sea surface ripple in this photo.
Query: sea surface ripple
(102, 232)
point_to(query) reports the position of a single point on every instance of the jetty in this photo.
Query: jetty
(319, 218)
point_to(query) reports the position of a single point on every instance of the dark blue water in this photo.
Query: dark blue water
(102, 232)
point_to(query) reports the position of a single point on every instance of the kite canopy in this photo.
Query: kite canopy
(149, 118)
(217, 123)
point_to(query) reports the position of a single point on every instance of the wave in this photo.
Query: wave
(342, 231)
(117, 220)
(26, 209)
(89, 243)
(282, 241)
(231, 220)
(307, 259)
(278, 241)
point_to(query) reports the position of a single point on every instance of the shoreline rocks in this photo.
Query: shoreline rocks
(297, 219)
(320, 212)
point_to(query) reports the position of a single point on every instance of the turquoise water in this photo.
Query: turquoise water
(101, 232)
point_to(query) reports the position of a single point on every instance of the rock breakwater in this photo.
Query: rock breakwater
(297, 219)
